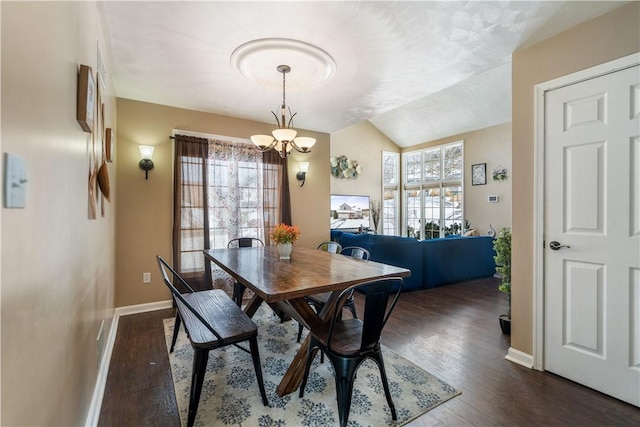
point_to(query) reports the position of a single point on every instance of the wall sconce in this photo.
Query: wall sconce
(302, 174)
(146, 164)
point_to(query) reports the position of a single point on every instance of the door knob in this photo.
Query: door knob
(556, 245)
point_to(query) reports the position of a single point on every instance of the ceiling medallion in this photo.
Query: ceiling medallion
(256, 60)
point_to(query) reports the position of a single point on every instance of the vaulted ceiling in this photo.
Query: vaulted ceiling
(418, 71)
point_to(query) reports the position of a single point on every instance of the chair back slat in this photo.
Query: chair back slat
(245, 242)
(331, 247)
(177, 295)
(355, 252)
(376, 309)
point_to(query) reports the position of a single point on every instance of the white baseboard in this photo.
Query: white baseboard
(519, 357)
(101, 382)
(142, 308)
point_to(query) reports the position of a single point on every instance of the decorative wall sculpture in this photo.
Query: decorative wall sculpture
(341, 167)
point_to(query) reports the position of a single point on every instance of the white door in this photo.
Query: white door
(592, 211)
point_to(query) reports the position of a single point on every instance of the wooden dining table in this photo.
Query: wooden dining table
(284, 284)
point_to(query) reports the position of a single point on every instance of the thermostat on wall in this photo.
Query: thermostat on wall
(493, 199)
(15, 181)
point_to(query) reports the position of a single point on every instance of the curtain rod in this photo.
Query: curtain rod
(210, 136)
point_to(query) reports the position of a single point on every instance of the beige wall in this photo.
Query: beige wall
(365, 143)
(610, 36)
(145, 206)
(493, 147)
(57, 265)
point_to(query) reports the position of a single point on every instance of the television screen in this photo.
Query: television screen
(349, 212)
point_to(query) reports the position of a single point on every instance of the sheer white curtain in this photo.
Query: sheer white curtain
(223, 190)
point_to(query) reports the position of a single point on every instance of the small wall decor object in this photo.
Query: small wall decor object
(103, 170)
(500, 173)
(86, 98)
(109, 141)
(342, 167)
(479, 174)
(103, 181)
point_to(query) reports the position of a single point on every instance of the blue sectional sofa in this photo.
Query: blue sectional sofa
(433, 262)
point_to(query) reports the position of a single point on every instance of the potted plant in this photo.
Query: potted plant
(502, 246)
(283, 236)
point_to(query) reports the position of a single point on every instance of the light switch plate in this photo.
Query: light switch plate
(15, 181)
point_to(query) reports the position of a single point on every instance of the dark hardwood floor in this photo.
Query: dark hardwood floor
(451, 331)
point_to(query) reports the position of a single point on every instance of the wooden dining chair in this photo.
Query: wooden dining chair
(319, 300)
(348, 343)
(212, 320)
(242, 242)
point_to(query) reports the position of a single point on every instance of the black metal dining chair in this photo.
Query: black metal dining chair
(348, 343)
(212, 320)
(318, 301)
(242, 242)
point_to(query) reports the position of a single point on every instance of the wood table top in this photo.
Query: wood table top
(309, 271)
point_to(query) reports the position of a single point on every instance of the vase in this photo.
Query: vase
(284, 250)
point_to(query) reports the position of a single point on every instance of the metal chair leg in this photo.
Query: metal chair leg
(255, 355)
(385, 384)
(345, 374)
(176, 329)
(312, 353)
(200, 358)
(351, 305)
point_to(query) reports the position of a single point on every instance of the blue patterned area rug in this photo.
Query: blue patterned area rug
(230, 394)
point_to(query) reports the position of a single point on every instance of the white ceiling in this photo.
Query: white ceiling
(418, 71)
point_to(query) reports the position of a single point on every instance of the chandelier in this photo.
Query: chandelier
(284, 138)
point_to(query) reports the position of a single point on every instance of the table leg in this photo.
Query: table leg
(253, 305)
(293, 377)
(295, 373)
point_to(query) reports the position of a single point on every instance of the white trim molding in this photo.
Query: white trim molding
(98, 392)
(520, 358)
(143, 308)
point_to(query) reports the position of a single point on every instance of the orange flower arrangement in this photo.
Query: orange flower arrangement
(283, 233)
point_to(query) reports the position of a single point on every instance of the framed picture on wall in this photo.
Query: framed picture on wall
(479, 174)
(86, 97)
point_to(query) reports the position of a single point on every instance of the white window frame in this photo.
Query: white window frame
(424, 185)
(391, 187)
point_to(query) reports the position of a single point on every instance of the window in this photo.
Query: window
(222, 190)
(234, 194)
(433, 192)
(390, 175)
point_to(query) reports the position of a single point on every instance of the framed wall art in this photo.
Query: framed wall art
(86, 98)
(479, 174)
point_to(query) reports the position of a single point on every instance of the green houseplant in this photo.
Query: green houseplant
(502, 246)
